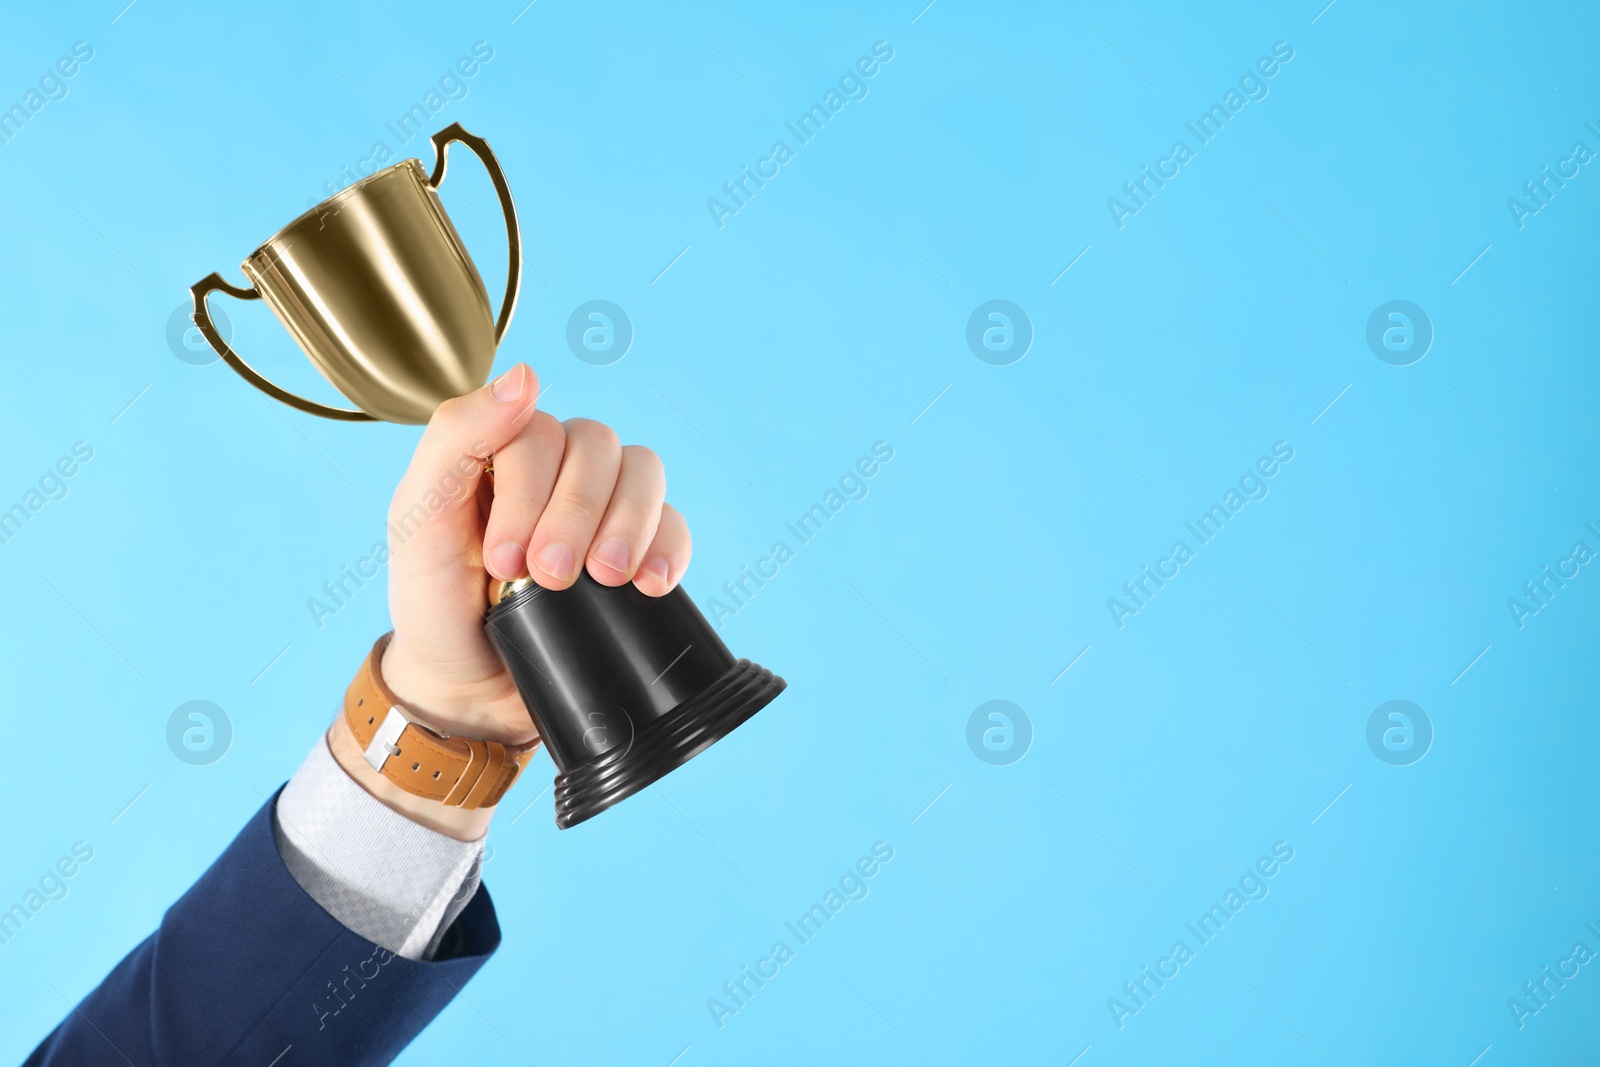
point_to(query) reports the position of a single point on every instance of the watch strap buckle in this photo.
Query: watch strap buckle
(383, 744)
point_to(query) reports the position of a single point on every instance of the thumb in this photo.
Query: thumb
(462, 434)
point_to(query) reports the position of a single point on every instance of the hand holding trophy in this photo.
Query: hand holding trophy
(379, 291)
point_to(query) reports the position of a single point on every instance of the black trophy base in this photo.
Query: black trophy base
(665, 744)
(623, 687)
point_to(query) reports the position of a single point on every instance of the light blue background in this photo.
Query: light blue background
(824, 317)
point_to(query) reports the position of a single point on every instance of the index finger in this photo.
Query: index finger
(463, 433)
(448, 461)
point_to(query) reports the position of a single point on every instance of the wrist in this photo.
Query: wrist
(463, 824)
(468, 707)
(444, 773)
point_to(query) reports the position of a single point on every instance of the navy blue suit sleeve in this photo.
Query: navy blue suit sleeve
(246, 966)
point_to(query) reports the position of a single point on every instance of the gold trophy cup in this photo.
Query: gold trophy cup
(378, 289)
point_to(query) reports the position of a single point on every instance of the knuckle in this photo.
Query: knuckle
(572, 510)
(524, 502)
(592, 433)
(450, 412)
(643, 458)
(633, 516)
(547, 429)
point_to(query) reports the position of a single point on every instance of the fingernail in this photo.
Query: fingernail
(555, 560)
(507, 560)
(656, 567)
(508, 386)
(614, 553)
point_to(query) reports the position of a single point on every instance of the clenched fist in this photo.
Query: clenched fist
(562, 496)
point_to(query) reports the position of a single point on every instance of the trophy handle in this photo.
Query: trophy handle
(481, 149)
(202, 319)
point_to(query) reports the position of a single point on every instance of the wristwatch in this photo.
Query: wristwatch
(460, 772)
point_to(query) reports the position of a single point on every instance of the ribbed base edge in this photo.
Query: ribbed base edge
(667, 744)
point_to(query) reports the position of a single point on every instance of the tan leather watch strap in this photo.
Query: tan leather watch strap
(457, 771)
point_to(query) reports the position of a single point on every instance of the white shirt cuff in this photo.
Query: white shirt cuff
(384, 877)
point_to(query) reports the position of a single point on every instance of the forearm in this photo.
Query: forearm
(246, 964)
